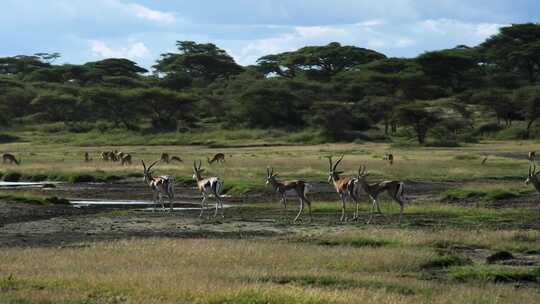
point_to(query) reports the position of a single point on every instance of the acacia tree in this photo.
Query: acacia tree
(529, 100)
(500, 102)
(200, 61)
(515, 47)
(319, 62)
(418, 117)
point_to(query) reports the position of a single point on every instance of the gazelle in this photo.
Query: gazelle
(161, 185)
(532, 177)
(299, 187)
(393, 188)
(126, 159)
(165, 157)
(531, 156)
(345, 186)
(8, 157)
(176, 158)
(208, 186)
(87, 157)
(105, 156)
(218, 157)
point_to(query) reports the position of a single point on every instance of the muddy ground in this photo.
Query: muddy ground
(23, 224)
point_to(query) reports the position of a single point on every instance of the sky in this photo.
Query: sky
(141, 30)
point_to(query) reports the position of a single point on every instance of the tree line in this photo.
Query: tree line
(341, 91)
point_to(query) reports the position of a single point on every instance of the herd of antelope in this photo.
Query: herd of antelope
(347, 187)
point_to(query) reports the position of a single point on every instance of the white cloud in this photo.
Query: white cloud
(150, 14)
(320, 31)
(134, 51)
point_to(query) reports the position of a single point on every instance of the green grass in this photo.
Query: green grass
(21, 197)
(495, 274)
(484, 193)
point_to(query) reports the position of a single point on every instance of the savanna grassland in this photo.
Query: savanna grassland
(469, 235)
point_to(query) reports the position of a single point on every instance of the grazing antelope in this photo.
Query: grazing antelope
(299, 187)
(161, 185)
(105, 156)
(208, 186)
(531, 156)
(165, 157)
(8, 157)
(389, 157)
(126, 159)
(345, 186)
(393, 188)
(176, 158)
(119, 155)
(532, 177)
(87, 157)
(219, 157)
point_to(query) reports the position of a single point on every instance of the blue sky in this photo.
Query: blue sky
(142, 29)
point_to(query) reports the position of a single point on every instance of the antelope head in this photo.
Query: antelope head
(333, 175)
(532, 174)
(197, 170)
(147, 172)
(270, 176)
(362, 173)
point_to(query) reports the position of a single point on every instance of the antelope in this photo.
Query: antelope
(389, 157)
(161, 186)
(165, 158)
(393, 188)
(176, 158)
(208, 186)
(219, 157)
(119, 155)
(531, 156)
(8, 157)
(299, 187)
(87, 157)
(345, 186)
(105, 156)
(126, 159)
(532, 177)
(484, 160)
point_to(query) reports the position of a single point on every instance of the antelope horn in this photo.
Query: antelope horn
(329, 162)
(200, 164)
(195, 164)
(272, 172)
(144, 166)
(337, 163)
(150, 167)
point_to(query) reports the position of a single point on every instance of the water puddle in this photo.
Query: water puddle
(5, 184)
(140, 205)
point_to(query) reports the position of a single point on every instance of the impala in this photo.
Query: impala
(161, 185)
(532, 177)
(126, 159)
(345, 186)
(298, 187)
(219, 157)
(393, 188)
(208, 186)
(8, 157)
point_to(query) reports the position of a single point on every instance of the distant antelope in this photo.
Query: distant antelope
(345, 186)
(87, 157)
(176, 158)
(119, 155)
(105, 156)
(208, 186)
(8, 157)
(532, 177)
(161, 186)
(219, 157)
(484, 160)
(298, 187)
(531, 156)
(389, 157)
(393, 188)
(165, 157)
(126, 159)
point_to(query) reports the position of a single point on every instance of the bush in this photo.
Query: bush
(12, 177)
(5, 138)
